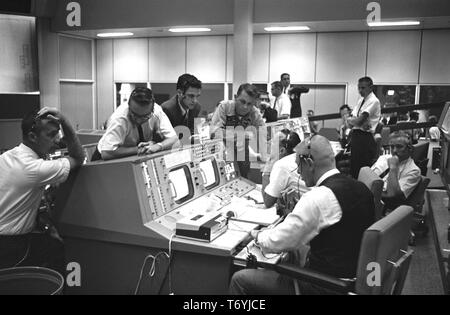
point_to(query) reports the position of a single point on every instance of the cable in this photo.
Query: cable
(152, 268)
(170, 264)
(26, 253)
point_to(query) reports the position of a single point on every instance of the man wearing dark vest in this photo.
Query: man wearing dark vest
(331, 217)
(183, 108)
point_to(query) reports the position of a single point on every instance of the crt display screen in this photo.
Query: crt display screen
(209, 173)
(181, 184)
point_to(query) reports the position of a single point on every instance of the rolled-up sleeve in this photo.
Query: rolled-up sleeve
(278, 181)
(315, 211)
(53, 172)
(409, 181)
(166, 127)
(219, 118)
(372, 108)
(114, 136)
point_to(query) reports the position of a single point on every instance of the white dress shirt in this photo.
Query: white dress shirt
(121, 132)
(408, 174)
(316, 210)
(283, 175)
(22, 182)
(282, 104)
(372, 107)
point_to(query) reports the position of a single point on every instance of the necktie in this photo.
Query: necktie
(360, 107)
(141, 134)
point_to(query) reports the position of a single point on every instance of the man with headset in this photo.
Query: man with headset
(398, 171)
(25, 171)
(331, 217)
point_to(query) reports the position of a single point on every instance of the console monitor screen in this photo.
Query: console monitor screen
(181, 184)
(209, 173)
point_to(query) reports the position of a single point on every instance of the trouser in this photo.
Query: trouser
(37, 250)
(364, 151)
(268, 282)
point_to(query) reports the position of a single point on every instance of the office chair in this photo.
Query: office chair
(417, 198)
(375, 184)
(385, 132)
(420, 156)
(384, 244)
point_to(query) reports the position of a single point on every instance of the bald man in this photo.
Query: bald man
(331, 218)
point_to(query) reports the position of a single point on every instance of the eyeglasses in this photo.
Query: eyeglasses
(137, 116)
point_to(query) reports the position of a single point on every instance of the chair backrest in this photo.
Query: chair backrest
(417, 197)
(375, 184)
(330, 133)
(383, 259)
(385, 132)
(420, 152)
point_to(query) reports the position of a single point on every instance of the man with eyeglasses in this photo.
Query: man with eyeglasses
(139, 127)
(280, 171)
(331, 218)
(398, 171)
(366, 115)
(183, 108)
(25, 171)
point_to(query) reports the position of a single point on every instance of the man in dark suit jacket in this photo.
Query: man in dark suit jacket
(183, 108)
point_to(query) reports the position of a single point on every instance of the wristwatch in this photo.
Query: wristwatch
(160, 145)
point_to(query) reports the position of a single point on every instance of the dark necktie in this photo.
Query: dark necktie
(141, 134)
(383, 175)
(360, 107)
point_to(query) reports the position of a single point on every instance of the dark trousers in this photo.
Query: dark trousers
(36, 250)
(269, 282)
(364, 151)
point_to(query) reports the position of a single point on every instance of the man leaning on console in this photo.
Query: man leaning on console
(330, 216)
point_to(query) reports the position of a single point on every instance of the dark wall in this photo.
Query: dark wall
(15, 106)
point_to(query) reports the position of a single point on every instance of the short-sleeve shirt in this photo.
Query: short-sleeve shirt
(370, 106)
(121, 132)
(225, 116)
(282, 104)
(283, 175)
(408, 175)
(23, 177)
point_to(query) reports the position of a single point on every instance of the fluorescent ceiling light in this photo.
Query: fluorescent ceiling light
(189, 29)
(393, 23)
(118, 34)
(286, 28)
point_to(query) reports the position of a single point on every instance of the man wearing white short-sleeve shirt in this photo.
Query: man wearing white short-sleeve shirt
(280, 172)
(25, 172)
(366, 116)
(280, 101)
(139, 127)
